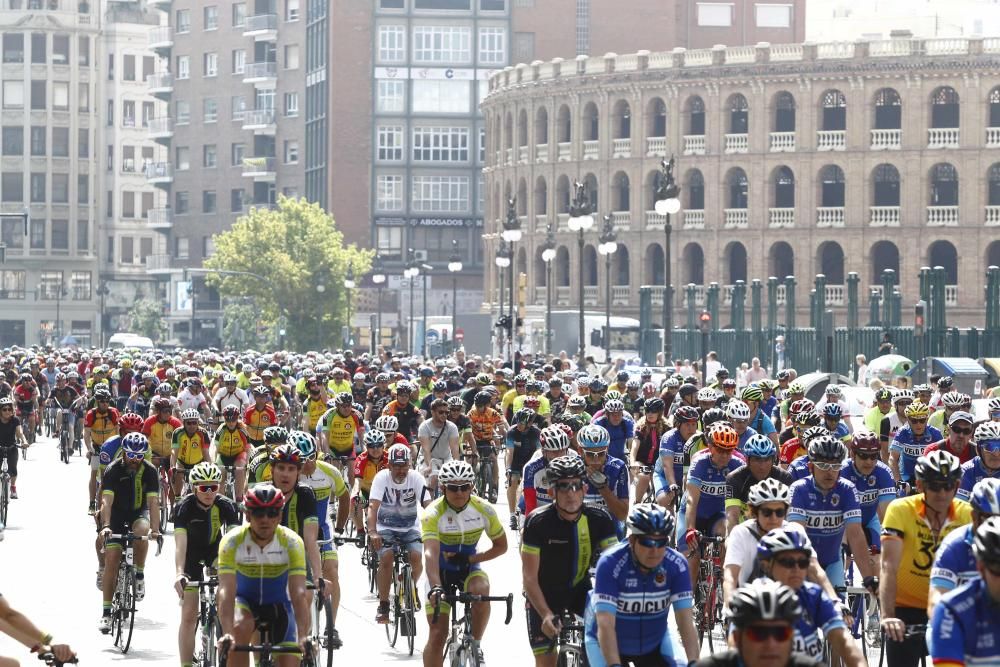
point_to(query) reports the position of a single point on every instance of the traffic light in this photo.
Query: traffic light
(705, 321)
(919, 323)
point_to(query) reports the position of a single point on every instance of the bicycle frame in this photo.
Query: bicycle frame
(460, 639)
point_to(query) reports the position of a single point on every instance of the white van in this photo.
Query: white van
(120, 340)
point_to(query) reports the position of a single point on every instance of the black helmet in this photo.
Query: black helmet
(598, 385)
(565, 467)
(764, 600)
(275, 435)
(947, 382)
(687, 389)
(827, 448)
(939, 466)
(483, 398)
(654, 405)
(344, 398)
(440, 385)
(711, 416)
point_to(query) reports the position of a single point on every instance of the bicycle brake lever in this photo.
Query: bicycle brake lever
(510, 608)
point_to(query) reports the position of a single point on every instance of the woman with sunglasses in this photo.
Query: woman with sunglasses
(11, 437)
(760, 453)
(875, 485)
(785, 556)
(635, 585)
(198, 529)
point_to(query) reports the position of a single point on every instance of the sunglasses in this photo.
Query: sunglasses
(939, 487)
(768, 512)
(458, 488)
(915, 420)
(760, 633)
(801, 563)
(962, 431)
(376, 446)
(866, 457)
(651, 543)
(991, 446)
(569, 486)
(6, 409)
(232, 419)
(134, 457)
(207, 488)
(822, 465)
(269, 512)
(596, 455)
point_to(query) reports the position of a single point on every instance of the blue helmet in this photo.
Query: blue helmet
(304, 442)
(986, 496)
(135, 445)
(650, 519)
(833, 410)
(759, 446)
(781, 540)
(593, 436)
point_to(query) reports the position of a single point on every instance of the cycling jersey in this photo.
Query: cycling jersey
(761, 423)
(543, 404)
(711, 481)
(825, 514)
(230, 442)
(672, 449)
(300, 509)
(616, 474)
(257, 420)
(64, 396)
(399, 502)
(203, 527)
(259, 466)
(535, 485)
(161, 434)
(524, 445)
(910, 447)
(791, 450)
(874, 489)
(109, 452)
(640, 601)
(191, 448)
(484, 423)
(262, 572)
(954, 562)
(739, 481)
(799, 469)
(965, 627)
(315, 408)
(408, 416)
(906, 520)
(620, 434)
(648, 436)
(458, 531)
(102, 425)
(340, 431)
(326, 482)
(365, 469)
(963, 456)
(819, 613)
(129, 490)
(972, 473)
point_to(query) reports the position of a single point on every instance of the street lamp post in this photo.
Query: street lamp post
(503, 260)
(427, 268)
(102, 291)
(410, 273)
(667, 204)
(548, 255)
(455, 267)
(608, 246)
(511, 234)
(378, 278)
(349, 284)
(320, 289)
(580, 220)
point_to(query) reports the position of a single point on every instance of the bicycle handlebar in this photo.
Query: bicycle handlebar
(132, 537)
(469, 598)
(52, 661)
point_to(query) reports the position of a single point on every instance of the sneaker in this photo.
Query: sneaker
(513, 522)
(140, 588)
(100, 580)
(382, 615)
(104, 625)
(479, 657)
(335, 639)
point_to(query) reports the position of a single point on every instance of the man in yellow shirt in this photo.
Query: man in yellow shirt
(338, 383)
(520, 389)
(189, 447)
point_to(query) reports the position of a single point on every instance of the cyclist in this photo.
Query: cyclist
(606, 477)
(229, 394)
(555, 443)
(404, 410)
(566, 532)
(738, 416)
(635, 585)
(193, 397)
(368, 464)
(394, 502)
(339, 427)
(883, 405)
(259, 416)
(833, 421)
(198, 528)
(913, 528)
(986, 464)
(965, 627)
(487, 423)
(259, 461)
(954, 562)
(799, 468)
(785, 556)
(60, 398)
(451, 527)
(958, 438)
(11, 436)
(129, 502)
(951, 402)
(389, 425)
(873, 480)
(457, 416)
(620, 428)
(895, 420)
(649, 429)
(99, 424)
(910, 442)
(439, 444)
(188, 447)
(827, 506)
(19, 627)
(759, 421)
(439, 390)
(159, 427)
(232, 447)
(760, 452)
(668, 472)
(378, 397)
(522, 441)
(26, 395)
(262, 577)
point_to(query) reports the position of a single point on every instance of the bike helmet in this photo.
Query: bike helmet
(101, 392)
(482, 398)
(814, 432)
(275, 435)
(782, 540)
(686, 413)
(230, 412)
(398, 454)
(833, 411)
(687, 389)
(807, 419)
(917, 410)
(769, 490)
(759, 446)
(374, 439)
(752, 393)
(440, 386)
(826, 448)
(729, 383)
(987, 431)
(483, 379)
(576, 401)
(723, 436)
(945, 383)
(135, 446)
(633, 385)
(737, 410)
(654, 405)
(865, 441)
(456, 472)
(598, 385)
(148, 375)
(612, 395)
(264, 496)
(800, 406)
(387, 424)
(986, 542)
(953, 399)
(344, 398)
(938, 466)
(593, 436)
(554, 438)
(287, 453)
(883, 394)
(614, 406)
(902, 395)
(159, 403)
(456, 402)
(648, 389)
(304, 442)
(524, 415)
(712, 416)
(764, 600)
(650, 519)
(985, 496)
(130, 421)
(993, 405)
(707, 395)
(672, 382)
(565, 467)
(205, 472)
(164, 389)
(190, 415)
(532, 402)
(260, 390)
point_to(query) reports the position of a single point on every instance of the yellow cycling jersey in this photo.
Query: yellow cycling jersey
(459, 531)
(189, 447)
(324, 481)
(230, 442)
(262, 572)
(341, 387)
(340, 431)
(544, 407)
(102, 426)
(161, 434)
(315, 409)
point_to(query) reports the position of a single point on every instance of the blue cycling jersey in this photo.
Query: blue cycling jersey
(819, 613)
(965, 627)
(712, 482)
(619, 434)
(972, 473)
(672, 447)
(761, 423)
(533, 477)
(639, 600)
(874, 489)
(768, 406)
(954, 563)
(109, 450)
(799, 468)
(825, 515)
(617, 473)
(910, 448)
(741, 443)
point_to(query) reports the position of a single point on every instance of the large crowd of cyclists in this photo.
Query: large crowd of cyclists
(775, 529)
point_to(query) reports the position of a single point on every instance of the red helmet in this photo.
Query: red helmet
(532, 402)
(865, 441)
(263, 496)
(686, 413)
(130, 421)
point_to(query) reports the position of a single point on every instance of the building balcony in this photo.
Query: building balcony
(522, 155)
(591, 149)
(887, 140)
(263, 27)
(699, 295)
(158, 264)
(541, 153)
(737, 143)
(565, 150)
(590, 295)
(261, 121)
(508, 156)
(942, 137)
(782, 142)
(694, 219)
(160, 218)
(656, 146)
(835, 295)
(163, 5)
(780, 218)
(830, 216)
(736, 218)
(562, 295)
(883, 216)
(562, 222)
(621, 148)
(261, 75)
(656, 295)
(160, 173)
(260, 169)
(942, 216)
(951, 295)
(831, 140)
(160, 85)
(541, 223)
(620, 295)
(694, 144)
(654, 220)
(161, 129)
(993, 137)
(161, 39)
(993, 216)
(621, 221)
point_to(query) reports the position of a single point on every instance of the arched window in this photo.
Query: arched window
(562, 194)
(653, 265)
(944, 185)
(522, 261)
(522, 197)
(888, 110)
(562, 266)
(736, 261)
(831, 179)
(564, 125)
(620, 192)
(541, 126)
(591, 122)
(540, 267)
(589, 265)
(622, 117)
(884, 255)
(694, 264)
(695, 189)
(993, 187)
(522, 128)
(944, 107)
(784, 112)
(739, 114)
(885, 185)
(620, 266)
(993, 254)
(834, 111)
(695, 116)
(590, 181)
(784, 188)
(830, 260)
(782, 260)
(739, 188)
(541, 196)
(943, 253)
(994, 107)
(656, 118)
(508, 130)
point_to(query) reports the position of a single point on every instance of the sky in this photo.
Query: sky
(850, 20)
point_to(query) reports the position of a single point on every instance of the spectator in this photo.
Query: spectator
(756, 372)
(862, 363)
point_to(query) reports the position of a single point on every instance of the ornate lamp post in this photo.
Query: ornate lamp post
(511, 234)
(349, 284)
(411, 271)
(667, 203)
(608, 246)
(548, 255)
(455, 267)
(580, 220)
(503, 261)
(378, 278)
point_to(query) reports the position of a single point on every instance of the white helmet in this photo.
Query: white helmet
(387, 423)
(737, 409)
(456, 472)
(554, 439)
(769, 490)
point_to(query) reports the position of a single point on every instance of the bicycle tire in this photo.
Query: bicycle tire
(409, 609)
(372, 568)
(395, 611)
(4, 499)
(129, 612)
(326, 639)
(709, 613)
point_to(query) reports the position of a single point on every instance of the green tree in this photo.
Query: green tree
(290, 252)
(244, 329)
(146, 319)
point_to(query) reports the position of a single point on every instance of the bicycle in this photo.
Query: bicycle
(461, 649)
(912, 632)
(865, 609)
(708, 598)
(568, 644)
(484, 473)
(403, 612)
(51, 660)
(265, 650)
(321, 633)
(123, 600)
(65, 442)
(650, 495)
(50, 418)
(229, 490)
(209, 628)
(166, 492)
(5, 481)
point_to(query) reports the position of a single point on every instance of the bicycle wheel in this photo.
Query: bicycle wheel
(709, 613)
(396, 606)
(64, 447)
(4, 499)
(699, 612)
(324, 624)
(409, 609)
(164, 505)
(372, 568)
(491, 492)
(128, 608)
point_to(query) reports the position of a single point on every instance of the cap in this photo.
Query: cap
(961, 415)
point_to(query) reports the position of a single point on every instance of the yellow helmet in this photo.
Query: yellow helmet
(917, 410)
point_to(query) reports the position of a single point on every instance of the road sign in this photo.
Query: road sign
(459, 335)
(432, 336)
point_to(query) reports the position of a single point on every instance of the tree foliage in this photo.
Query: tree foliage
(290, 251)
(244, 329)
(146, 319)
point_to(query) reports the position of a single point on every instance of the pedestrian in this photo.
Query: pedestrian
(862, 363)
